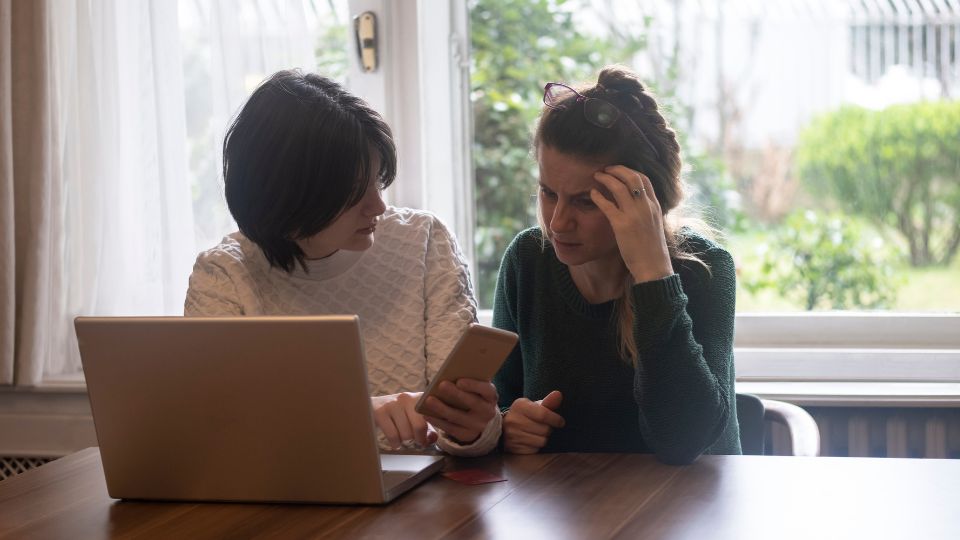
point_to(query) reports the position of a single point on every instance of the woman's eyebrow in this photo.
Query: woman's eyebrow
(585, 192)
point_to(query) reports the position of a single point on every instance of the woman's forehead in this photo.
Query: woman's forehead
(567, 172)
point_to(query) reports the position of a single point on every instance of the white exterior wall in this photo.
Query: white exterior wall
(785, 61)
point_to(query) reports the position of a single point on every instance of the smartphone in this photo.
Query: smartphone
(478, 355)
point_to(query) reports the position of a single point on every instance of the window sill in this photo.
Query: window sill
(812, 393)
(70, 383)
(847, 359)
(856, 394)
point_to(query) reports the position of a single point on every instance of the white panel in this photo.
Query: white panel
(445, 130)
(856, 394)
(848, 364)
(858, 330)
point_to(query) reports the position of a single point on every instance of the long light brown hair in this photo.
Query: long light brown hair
(567, 131)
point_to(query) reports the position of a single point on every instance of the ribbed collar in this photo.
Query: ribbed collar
(329, 267)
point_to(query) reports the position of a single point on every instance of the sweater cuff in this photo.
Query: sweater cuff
(657, 306)
(484, 444)
(659, 290)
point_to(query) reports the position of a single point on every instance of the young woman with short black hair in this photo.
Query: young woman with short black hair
(304, 164)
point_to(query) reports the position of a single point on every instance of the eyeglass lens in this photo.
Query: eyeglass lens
(600, 112)
(556, 94)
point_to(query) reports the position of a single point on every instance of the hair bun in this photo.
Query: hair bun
(621, 79)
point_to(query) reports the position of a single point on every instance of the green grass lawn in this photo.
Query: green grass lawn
(931, 289)
(921, 289)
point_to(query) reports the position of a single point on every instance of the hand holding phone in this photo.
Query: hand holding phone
(478, 355)
(460, 400)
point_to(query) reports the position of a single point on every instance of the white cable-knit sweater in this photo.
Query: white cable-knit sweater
(411, 290)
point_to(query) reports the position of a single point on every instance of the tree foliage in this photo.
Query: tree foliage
(827, 262)
(898, 167)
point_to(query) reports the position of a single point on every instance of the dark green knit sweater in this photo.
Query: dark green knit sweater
(678, 403)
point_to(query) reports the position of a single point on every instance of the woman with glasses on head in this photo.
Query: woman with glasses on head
(625, 311)
(304, 166)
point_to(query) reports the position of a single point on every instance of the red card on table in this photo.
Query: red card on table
(473, 476)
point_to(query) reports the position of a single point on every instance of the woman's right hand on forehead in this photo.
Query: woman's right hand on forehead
(637, 221)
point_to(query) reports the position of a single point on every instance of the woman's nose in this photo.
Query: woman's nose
(375, 204)
(560, 221)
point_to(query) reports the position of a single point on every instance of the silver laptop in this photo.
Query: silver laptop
(260, 409)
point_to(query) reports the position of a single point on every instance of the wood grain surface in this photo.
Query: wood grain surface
(545, 496)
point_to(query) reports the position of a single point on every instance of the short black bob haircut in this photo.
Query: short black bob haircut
(297, 155)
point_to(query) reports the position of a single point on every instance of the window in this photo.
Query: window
(460, 84)
(775, 103)
(836, 255)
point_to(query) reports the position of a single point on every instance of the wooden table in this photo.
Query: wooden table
(546, 496)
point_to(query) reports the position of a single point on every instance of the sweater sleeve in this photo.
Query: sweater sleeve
(682, 384)
(509, 379)
(450, 308)
(211, 291)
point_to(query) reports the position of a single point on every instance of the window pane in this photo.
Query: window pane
(820, 138)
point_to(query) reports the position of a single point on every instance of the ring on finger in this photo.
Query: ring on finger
(637, 192)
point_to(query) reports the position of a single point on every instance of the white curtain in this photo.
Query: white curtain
(119, 223)
(229, 47)
(111, 120)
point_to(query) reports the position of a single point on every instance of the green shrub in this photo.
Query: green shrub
(827, 262)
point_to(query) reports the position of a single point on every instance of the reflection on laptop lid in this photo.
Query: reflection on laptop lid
(265, 409)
